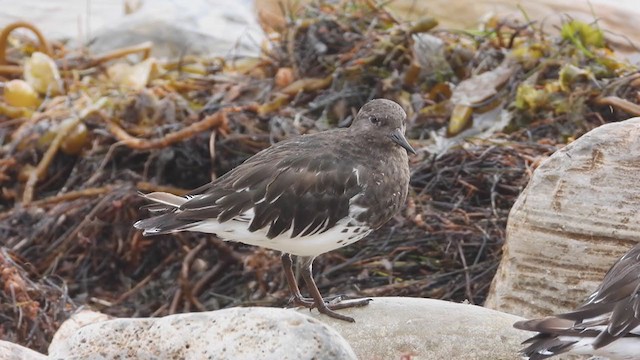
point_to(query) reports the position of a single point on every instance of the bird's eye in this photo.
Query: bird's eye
(374, 120)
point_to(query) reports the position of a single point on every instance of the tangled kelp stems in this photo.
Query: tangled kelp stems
(68, 199)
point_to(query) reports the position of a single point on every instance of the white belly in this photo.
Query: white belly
(310, 245)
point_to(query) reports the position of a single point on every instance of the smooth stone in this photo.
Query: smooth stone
(236, 333)
(177, 28)
(576, 217)
(74, 323)
(11, 351)
(428, 329)
(196, 27)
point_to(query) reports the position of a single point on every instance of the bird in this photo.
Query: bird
(607, 324)
(303, 196)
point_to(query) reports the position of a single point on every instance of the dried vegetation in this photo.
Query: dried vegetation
(82, 133)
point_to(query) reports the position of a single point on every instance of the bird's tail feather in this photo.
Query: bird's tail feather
(164, 223)
(163, 200)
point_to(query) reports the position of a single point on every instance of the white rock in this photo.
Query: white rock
(70, 326)
(11, 351)
(427, 329)
(236, 333)
(578, 214)
(176, 28)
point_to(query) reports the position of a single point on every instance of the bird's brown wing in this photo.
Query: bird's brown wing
(293, 185)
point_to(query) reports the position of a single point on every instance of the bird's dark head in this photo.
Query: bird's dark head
(383, 117)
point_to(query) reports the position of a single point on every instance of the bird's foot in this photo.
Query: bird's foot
(337, 303)
(328, 305)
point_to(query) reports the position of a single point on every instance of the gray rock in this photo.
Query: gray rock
(576, 217)
(236, 333)
(11, 351)
(427, 329)
(177, 28)
(196, 27)
(389, 328)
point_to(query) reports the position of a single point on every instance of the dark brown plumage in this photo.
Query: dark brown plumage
(606, 324)
(303, 196)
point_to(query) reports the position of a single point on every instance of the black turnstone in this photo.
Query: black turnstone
(303, 196)
(607, 324)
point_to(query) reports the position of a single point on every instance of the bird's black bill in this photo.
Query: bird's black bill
(398, 137)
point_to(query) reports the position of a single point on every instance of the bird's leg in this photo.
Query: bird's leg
(298, 300)
(323, 307)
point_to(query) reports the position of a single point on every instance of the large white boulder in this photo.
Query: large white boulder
(576, 217)
(388, 328)
(236, 333)
(11, 351)
(428, 329)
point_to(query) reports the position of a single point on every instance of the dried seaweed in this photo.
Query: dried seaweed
(73, 160)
